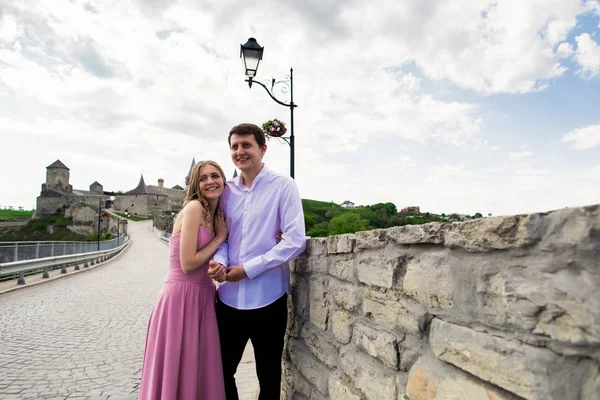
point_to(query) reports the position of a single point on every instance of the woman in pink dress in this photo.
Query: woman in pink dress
(182, 360)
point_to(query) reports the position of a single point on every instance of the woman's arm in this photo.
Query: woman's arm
(191, 258)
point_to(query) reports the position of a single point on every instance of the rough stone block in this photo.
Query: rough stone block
(347, 296)
(429, 280)
(343, 267)
(378, 343)
(340, 388)
(375, 239)
(497, 233)
(378, 269)
(375, 380)
(316, 246)
(321, 345)
(341, 326)
(295, 382)
(315, 372)
(298, 311)
(319, 302)
(417, 234)
(341, 244)
(304, 264)
(388, 309)
(430, 379)
(530, 372)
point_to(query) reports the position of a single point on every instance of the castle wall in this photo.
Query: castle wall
(85, 220)
(48, 203)
(495, 308)
(175, 197)
(141, 204)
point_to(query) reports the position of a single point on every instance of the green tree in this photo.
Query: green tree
(347, 223)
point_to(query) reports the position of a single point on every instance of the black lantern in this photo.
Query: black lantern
(251, 53)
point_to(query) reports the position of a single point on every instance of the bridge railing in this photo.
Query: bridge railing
(23, 267)
(20, 251)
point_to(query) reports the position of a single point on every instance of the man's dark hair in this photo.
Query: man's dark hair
(248, 129)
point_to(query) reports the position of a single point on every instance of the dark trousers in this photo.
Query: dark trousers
(265, 327)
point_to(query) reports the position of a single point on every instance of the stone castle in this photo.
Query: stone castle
(58, 195)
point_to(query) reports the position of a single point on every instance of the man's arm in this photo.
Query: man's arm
(293, 239)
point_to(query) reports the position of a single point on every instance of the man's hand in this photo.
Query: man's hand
(235, 273)
(216, 271)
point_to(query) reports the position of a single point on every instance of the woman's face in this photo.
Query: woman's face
(211, 182)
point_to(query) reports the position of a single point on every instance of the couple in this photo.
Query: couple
(241, 233)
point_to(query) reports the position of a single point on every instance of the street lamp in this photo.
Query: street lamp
(99, 216)
(251, 53)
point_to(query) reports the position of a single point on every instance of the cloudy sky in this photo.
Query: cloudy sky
(456, 105)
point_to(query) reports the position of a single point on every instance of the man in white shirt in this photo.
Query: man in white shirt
(252, 301)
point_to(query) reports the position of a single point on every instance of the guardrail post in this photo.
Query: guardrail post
(16, 252)
(92, 263)
(85, 264)
(21, 280)
(63, 268)
(52, 250)
(46, 274)
(76, 266)
(37, 250)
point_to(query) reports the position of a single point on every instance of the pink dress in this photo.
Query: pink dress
(182, 360)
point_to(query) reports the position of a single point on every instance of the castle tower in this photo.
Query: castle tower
(96, 188)
(57, 177)
(161, 183)
(187, 178)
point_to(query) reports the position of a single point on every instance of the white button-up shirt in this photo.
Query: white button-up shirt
(254, 215)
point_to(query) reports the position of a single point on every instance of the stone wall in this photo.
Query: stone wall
(141, 204)
(175, 197)
(495, 308)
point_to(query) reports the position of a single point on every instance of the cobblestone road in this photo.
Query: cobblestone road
(83, 336)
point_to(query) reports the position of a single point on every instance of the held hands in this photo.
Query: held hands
(232, 274)
(235, 273)
(216, 271)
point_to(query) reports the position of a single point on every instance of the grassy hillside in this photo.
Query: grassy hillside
(326, 219)
(13, 215)
(37, 229)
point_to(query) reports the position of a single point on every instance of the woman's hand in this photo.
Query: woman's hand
(220, 226)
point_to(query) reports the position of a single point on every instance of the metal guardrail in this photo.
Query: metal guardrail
(46, 264)
(19, 251)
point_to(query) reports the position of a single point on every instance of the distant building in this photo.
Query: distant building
(57, 193)
(347, 204)
(409, 209)
(143, 200)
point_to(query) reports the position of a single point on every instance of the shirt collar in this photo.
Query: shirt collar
(263, 172)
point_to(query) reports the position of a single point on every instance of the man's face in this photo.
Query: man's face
(245, 152)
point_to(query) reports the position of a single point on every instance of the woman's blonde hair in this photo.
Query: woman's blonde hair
(193, 190)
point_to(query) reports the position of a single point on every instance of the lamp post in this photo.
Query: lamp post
(251, 53)
(99, 215)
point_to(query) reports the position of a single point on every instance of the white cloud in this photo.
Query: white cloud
(520, 155)
(587, 56)
(147, 85)
(487, 46)
(584, 138)
(564, 50)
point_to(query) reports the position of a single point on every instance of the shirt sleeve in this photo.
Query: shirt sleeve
(293, 241)
(222, 254)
